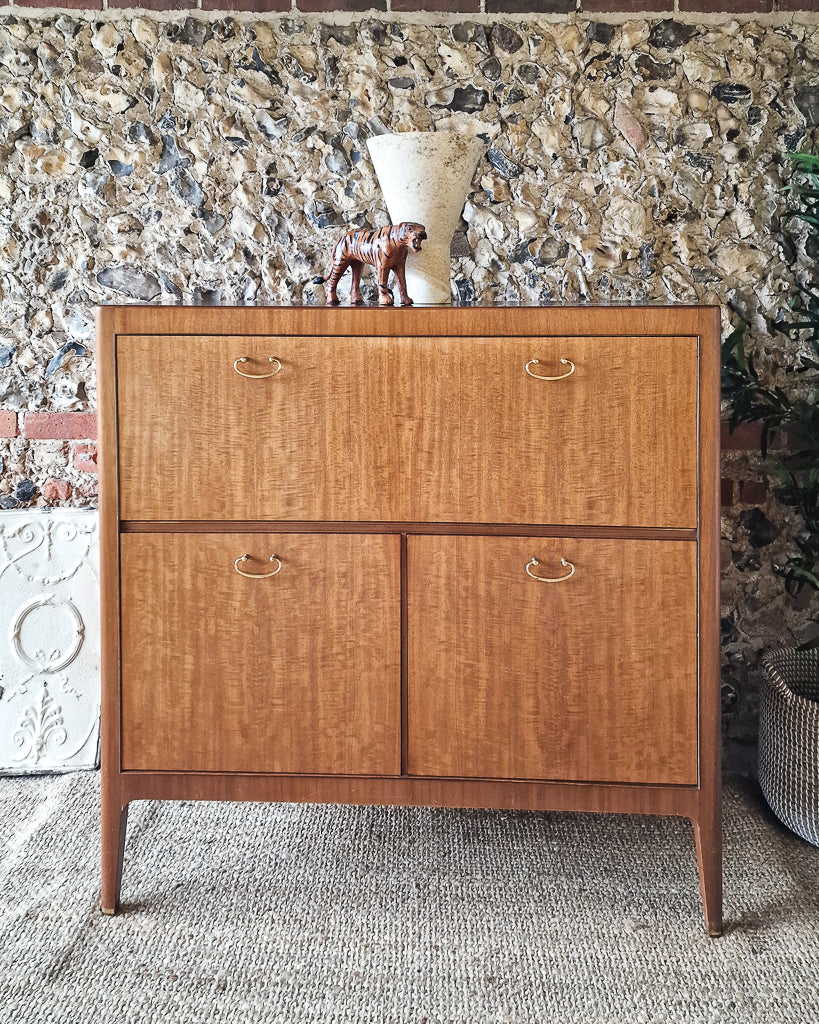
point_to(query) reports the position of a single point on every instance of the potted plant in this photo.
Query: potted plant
(789, 698)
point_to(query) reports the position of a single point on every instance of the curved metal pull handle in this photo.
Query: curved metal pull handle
(540, 376)
(257, 575)
(546, 579)
(257, 376)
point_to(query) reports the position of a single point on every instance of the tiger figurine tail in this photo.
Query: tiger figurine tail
(385, 250)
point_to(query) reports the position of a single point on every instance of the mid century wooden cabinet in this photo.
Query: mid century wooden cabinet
(459, 557)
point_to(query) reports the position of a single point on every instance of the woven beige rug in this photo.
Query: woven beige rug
(290, 913)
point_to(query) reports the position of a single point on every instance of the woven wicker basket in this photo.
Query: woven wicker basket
(789, 739)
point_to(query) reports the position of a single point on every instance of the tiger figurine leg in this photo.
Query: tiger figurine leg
(332, 279)
(401, 279)
(356, 266)
(384, 294)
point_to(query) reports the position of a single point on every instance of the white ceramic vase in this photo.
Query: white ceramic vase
(425, 177)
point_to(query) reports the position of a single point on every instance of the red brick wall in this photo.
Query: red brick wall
(68, 428)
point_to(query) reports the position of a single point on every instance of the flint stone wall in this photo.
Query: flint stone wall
(217, 158)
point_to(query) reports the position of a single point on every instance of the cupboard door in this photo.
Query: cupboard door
(589, 678)
(307, 437)
(295, 671)
(610, 441)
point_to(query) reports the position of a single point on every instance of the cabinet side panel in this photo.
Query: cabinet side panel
(109, 536)
(113, 802)
(709, 817)
(709, 552)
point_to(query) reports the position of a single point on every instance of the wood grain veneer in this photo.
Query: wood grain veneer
(399, 429)
(590, 679)
(593, 448)
(295, 672)
(616, 320)
(478, 529)
(708, 819)
(408, 448)
(114, 808)
(316, 441)
(415, 791)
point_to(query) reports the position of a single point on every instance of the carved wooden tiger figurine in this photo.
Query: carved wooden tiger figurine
(386, 250)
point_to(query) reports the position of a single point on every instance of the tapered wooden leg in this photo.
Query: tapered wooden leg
(708, 836)
(114, 822)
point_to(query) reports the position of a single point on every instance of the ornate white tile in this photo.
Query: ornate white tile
(49, 640)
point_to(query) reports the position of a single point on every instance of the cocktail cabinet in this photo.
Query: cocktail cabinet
(461, 557)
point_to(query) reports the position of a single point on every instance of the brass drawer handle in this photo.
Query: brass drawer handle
(540, 376)
(257, 575)
(257, 376)
(547, 579)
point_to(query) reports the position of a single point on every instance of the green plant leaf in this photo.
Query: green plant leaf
(791, 407)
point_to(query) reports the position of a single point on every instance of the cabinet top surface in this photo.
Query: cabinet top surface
(407, 310)
(397, 321)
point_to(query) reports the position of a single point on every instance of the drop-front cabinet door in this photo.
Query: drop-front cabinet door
(577, 430)
(591, 430)
(285, 661)
(238, 428)
(544, 658)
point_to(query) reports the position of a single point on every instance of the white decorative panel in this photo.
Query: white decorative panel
(49, 640)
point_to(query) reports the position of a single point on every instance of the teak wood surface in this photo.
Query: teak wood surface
(593, 678)
(296, 672)
(689, 337)
(410, 429)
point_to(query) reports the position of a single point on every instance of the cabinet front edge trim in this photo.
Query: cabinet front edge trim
(414, 791)
(358, 526)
